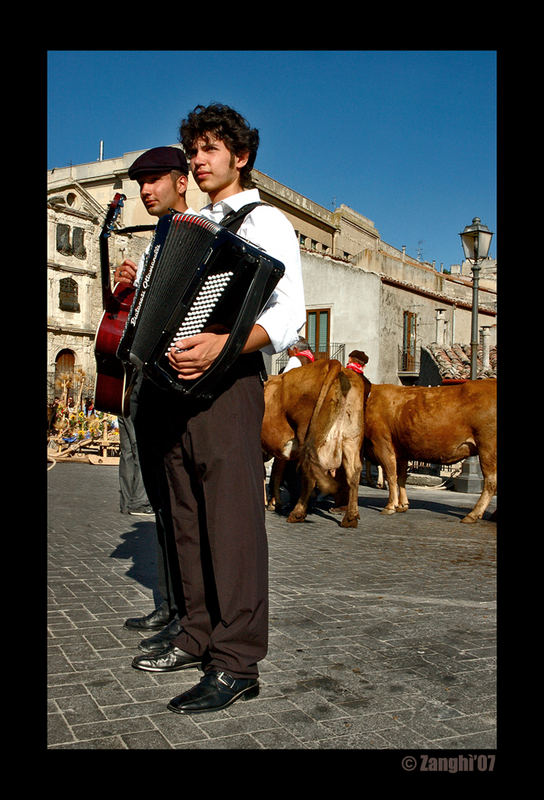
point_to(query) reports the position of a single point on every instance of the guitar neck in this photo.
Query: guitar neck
(115, 206)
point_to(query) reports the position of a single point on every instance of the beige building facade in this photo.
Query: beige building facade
(361, 293)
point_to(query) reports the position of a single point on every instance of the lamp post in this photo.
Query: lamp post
(476, 239)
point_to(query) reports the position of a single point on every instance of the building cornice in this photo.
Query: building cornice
(56, 327)
(441, 297)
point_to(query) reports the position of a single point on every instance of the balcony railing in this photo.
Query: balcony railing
(409, 362)
(335, 350)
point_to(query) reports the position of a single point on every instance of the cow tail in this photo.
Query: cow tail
(319, 425)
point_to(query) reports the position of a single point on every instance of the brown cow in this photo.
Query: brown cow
(314, 415)
(438, 424)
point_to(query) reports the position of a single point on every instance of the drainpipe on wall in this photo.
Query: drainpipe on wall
(439, 333)
(485, 348)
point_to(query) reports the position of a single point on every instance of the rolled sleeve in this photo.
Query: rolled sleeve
(285, 312)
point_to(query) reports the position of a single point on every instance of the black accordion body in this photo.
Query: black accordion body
(197, 276)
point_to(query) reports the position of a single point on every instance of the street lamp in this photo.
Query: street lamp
(476, 240)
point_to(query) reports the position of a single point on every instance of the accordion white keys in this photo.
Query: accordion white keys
(198, 276)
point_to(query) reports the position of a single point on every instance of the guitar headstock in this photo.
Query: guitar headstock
(114, 209)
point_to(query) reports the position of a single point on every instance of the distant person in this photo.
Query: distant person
(299, 355)
(52, 414)
(357, 361)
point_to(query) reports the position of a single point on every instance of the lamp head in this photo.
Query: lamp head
(476, 240)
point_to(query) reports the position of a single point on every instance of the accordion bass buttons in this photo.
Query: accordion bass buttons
(202, 306)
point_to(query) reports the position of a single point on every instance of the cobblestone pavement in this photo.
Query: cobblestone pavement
(381, 637)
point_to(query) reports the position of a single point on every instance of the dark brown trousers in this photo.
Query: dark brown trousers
(215, 474)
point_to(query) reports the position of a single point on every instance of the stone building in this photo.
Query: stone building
(361, 293)
(74, 287)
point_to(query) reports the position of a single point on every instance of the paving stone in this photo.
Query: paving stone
(382, 637)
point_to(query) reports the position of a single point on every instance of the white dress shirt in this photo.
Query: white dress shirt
(293, 363)
(266, 226)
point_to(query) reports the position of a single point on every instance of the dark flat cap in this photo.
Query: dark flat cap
(159, 159)
(359, 355)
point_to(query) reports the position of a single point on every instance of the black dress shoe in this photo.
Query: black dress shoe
(169, 659)
(152, 622)
(215, 691)
(161, 639)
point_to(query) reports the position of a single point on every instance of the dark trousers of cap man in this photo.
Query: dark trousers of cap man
(215, 474)
(133, 495)
(147, 416)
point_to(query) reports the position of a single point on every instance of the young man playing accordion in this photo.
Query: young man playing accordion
(214, 460)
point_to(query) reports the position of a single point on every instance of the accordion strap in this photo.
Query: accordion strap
(234, 219)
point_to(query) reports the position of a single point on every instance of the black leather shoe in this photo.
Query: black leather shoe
(169, 659)
(161, 639)
(152, 622)
(215, 691)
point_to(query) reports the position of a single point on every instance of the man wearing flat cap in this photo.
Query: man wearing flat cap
(159, 159)
(162, 175)
(357, 361)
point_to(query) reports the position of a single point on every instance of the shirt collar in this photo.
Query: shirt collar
(235, 201)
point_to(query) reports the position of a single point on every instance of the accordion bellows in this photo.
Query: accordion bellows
(198, 276)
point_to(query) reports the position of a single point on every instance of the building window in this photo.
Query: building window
(68, 295)
(63, 239)
(78, 243)
(318, 331)
(409, 341)
(75, 246)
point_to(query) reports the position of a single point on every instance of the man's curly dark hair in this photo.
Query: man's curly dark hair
(226, 124)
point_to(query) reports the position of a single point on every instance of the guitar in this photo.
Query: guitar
(113, 377)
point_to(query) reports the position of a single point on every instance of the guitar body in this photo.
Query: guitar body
(113, 376)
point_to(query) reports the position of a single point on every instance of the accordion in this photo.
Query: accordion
(197, 276)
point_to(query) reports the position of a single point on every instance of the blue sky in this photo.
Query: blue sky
(406, 138)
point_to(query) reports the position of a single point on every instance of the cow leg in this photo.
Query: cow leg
(341, 497)
(402, 472)
(276, 475)
(270, 503)
(352, 468)
(368, 473)
(488, 462)
(388, 461)
(298, 514)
